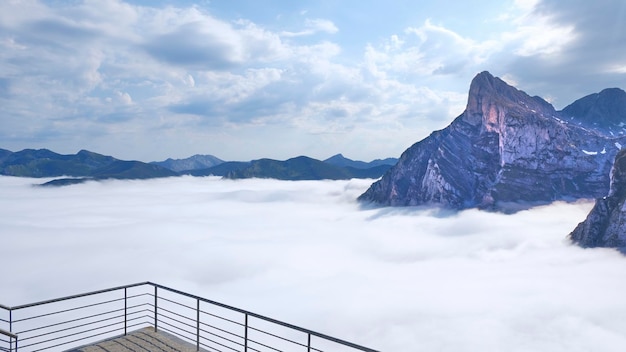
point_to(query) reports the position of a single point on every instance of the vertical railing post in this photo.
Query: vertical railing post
(125, 311)
(308, 344)
(11, 331)
(198, 324)
(155, 309)
(245, 335)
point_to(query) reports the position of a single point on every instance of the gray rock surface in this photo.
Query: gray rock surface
(507, 148)
(605, 226)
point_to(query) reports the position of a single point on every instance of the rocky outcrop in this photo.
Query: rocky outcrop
(507, 148)
(605, 226)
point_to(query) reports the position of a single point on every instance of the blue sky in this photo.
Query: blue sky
(242, 80)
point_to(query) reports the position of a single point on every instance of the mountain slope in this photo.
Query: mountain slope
(605, 226)
(505, 148)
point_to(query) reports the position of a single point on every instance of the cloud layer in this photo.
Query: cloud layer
(395, 279)
(147, 82)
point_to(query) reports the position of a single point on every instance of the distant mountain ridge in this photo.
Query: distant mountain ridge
(86, 165)
(340, 160)
(194, 162)
(508, 148)
(305, 168)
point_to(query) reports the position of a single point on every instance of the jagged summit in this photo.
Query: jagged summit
(490, 97)
(505, 148)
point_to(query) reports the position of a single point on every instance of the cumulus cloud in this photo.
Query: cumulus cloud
(306, 253)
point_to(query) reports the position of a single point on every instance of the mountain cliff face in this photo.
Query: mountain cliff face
(506, 148)
(605, 225)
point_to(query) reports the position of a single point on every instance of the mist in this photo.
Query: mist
(393, 279)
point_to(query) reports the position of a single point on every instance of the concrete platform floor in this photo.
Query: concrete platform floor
(143, 340)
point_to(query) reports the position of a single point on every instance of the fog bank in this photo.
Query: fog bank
(394, 279)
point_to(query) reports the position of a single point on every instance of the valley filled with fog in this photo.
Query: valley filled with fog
(305, 252)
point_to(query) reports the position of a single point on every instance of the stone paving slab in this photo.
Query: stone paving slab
(140, 341)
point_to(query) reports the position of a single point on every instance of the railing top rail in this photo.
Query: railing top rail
(76, 296)
(5, 307)
(6, 333)
(274, 321)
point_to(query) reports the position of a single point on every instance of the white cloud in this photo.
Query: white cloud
(303, 252)
(538, 34)
(313, 26)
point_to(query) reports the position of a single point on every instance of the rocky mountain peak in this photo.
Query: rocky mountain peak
(506, 148)
(490, 99)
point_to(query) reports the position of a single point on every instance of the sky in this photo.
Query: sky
(241, 80)
(392, 279)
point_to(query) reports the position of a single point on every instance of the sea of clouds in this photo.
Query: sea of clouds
(393, 279)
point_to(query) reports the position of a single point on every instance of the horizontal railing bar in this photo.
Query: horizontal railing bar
(223, 338)
(180, 304)
(143, 316)
(77, 319)
(76, 296)
(5, 307)
(7, 333)
(136, 306)
(222, 330)
(139, 295)
(225, 319)
(174, 313)
(140, 311)
(76, 327)
(259, 316)
(276, 336)
(4, 321)
(138, 324)
(177, 327)
(70, 335)
(189, 339)
(174, 332)
(67, 342)
(194, 327)
(264, 345)
(220, 344)
(67, 310)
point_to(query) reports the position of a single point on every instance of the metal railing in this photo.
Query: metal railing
(62, 323)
